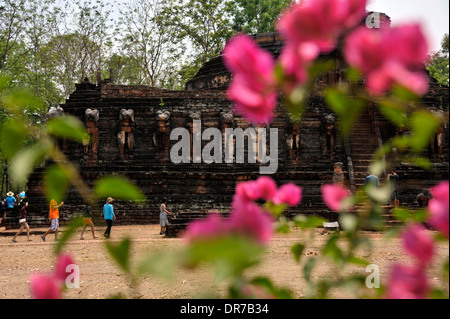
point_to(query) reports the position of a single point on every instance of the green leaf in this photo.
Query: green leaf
(23, 163)
(68, 127)
(297, 251)
(348, 222)
(117, 187)
(393, 111)
(12, 137)
(308, 268)
(160, 264)
(401, 214)
(56, 182)
(20, 99)
(348, 109)
(275, 210)
(304, 222)
(404, 93)
(230, 255)
(266, 283)
(423, 126)
(357, 261)
(295, 102)
(332, 251)
(120, 252)
(69, 230)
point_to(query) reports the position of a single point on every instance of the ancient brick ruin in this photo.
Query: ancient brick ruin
(130, 128)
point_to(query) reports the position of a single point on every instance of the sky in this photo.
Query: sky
(433, 15)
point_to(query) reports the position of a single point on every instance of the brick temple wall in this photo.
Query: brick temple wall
(201, 188)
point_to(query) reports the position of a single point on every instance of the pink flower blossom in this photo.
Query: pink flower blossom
(251, 221)
(407, 283)
(212, 226)
(45, 287)
(248, 191)
(389, 56)
(438, 208)
(62, 262)
(417, 242)
(267, 187)
(253, 86)
(289, 194)
(336, 197)
(50, 286)
(320, 22)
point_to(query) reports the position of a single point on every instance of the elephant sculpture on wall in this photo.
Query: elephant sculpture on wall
(161, 138)
(91, 146)
(293, 140)
(55, 112)
(125, 136)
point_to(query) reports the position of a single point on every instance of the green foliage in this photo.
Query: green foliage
(255, 16)
(120, 252)
(117, 187)
(346, 107)
(438, 65)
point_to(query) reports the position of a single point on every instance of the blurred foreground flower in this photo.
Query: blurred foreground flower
(407, 283)
(337, 197)
(418, 243)
(389, 56)
(50, 286)
(253, 86)
(246, 217)
(438, 208)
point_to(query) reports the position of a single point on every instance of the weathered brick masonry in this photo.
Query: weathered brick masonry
(195, 189)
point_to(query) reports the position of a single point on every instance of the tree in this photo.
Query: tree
(255, 16)
(201, 28)
(438, 65)
(146, 43)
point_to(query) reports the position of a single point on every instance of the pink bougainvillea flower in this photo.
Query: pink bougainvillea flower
(311, 27)
(418, 243)
(294, 61)
(253, 86)
(337, 197)
(212, 226)
(247, 191)
(50, 286)
(438, 208)
(267, 187)
(251, 221)
(63, 260)
(320, 22)
(389, 56)
(289, 194)
(45, 287)
(407, 283)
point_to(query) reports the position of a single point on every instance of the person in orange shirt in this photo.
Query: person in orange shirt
(53, 218)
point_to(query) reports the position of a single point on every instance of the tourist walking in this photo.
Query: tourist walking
(393, 179)
(10, 202)
(23, 221)
(53, 218)
(87, 221)
(163, 216)
(108, 213)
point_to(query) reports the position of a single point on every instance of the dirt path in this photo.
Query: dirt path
(101, 278)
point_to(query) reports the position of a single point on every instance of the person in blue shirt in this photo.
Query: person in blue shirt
(372, 180)
(10, 202)
(108, 213)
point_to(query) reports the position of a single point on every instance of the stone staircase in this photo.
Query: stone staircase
(363, 143)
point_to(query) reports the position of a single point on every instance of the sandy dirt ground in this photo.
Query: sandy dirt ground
(101, 278)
